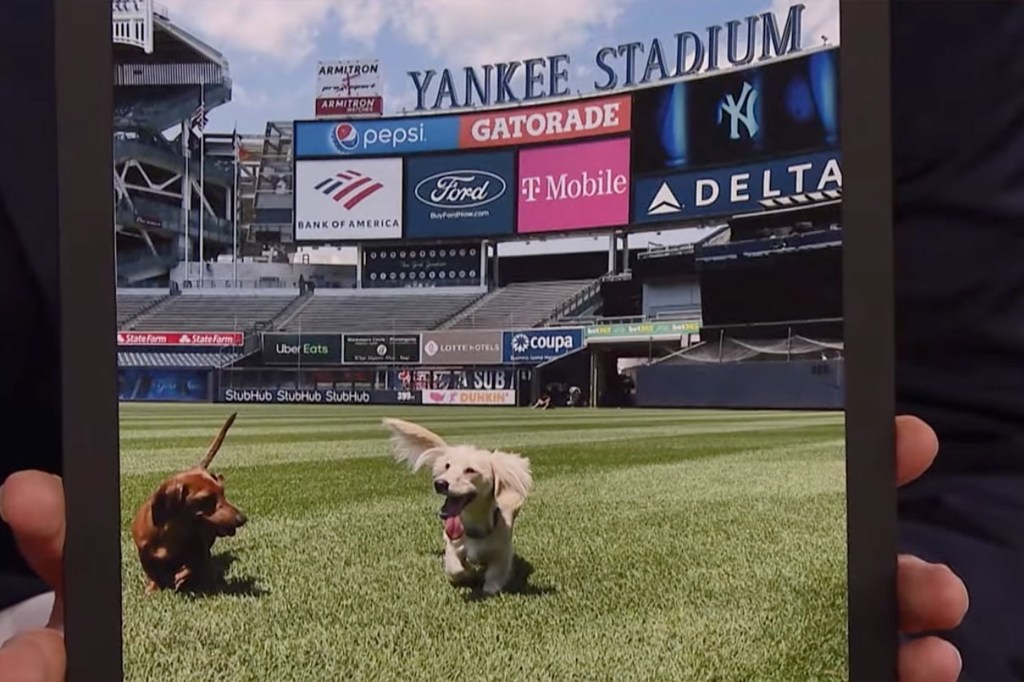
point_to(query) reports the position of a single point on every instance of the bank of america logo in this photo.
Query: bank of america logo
(348, 188)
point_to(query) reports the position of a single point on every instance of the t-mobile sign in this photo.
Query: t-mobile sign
(574, 186)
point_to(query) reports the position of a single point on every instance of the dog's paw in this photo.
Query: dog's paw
(492, 588)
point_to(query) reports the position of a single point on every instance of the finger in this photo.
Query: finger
(931, 596)
(56, 621)
(929, 659)
(33, 656)
(916, 447)
(32, 503)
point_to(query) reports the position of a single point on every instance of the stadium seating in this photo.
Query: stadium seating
(403, 311)
(130, 304)
(213, 312)
(520, 305)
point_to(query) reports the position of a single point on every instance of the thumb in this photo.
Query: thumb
(32, 504)
(33, 656)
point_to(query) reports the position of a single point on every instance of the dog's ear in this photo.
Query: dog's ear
(169, 497)
(512, 483)
(413, 444)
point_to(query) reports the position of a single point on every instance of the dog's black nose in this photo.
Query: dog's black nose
(441, 487)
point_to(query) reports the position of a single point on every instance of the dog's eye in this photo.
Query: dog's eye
(206, 504)
(447, 466)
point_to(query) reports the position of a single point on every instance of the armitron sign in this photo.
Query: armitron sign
(217, 339)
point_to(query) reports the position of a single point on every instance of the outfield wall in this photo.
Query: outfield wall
(796, 385)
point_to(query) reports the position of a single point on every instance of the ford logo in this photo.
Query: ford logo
(460, 189)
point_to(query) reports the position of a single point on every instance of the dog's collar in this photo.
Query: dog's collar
(480, 535)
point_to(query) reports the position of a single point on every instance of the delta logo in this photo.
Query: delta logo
(348, 188)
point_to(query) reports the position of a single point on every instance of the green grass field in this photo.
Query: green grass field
(660, 545)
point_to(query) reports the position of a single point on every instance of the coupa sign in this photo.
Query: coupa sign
(540, 345)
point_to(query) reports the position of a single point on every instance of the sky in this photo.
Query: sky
(273, 46)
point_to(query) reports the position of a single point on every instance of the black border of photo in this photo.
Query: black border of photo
(868, 305)
(84, 90)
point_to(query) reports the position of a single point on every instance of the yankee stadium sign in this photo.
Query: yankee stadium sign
(625, 65)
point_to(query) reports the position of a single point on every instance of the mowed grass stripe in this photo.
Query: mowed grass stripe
(697, 551)
(140, 457)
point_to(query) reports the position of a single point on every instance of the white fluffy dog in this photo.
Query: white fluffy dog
(483, 493)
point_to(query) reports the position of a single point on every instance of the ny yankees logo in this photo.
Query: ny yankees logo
(740, 112)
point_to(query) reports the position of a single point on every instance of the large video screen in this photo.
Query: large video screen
(689, 151)
(737, 117)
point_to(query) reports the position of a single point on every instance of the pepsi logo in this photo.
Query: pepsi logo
(460, 189)
(345, 137)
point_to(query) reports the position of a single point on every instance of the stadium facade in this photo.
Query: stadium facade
(213, 304)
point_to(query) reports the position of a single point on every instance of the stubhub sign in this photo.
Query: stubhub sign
(540, 345)
(390, 137)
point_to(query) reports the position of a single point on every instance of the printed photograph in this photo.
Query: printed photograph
(480, 342)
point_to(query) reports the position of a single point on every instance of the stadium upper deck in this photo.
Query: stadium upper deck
(165, 78)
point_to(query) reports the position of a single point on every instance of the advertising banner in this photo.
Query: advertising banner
(540, 345)
(464, 195)
(734, 118)
(504, 398)
(487, 379)
(462, 347)
(567, 121)
(334, 107)
(377, 348)
(642, 330)
(206, 339)
(301, 349)
(142, 384)
(448, 265)
(574, 187)
(348, 200)
(317, 396)
(346, 87)
(728, 191)
(375, 137)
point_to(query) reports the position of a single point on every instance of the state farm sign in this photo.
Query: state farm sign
(546, 124)
(218, 339)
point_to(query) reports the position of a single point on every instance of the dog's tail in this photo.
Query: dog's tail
(217, 442)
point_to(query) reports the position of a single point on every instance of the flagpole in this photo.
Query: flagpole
(186, 195)
(235, 205)
(202, 181)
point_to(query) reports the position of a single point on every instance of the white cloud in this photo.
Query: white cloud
(820, 18)
(244, 97)
(464, 31)
(455, 31)
(283, 30)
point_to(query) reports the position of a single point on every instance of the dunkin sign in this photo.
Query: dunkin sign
(546, 124)
(574, 186)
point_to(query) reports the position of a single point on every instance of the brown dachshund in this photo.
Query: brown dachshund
(176, 527)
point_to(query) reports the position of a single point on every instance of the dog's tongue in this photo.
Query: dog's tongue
(453, 527)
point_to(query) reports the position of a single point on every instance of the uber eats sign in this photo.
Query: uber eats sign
(304, 349)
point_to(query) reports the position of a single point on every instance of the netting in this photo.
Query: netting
(747, 350)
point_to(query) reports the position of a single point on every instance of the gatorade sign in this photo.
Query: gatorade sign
(540, 345)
